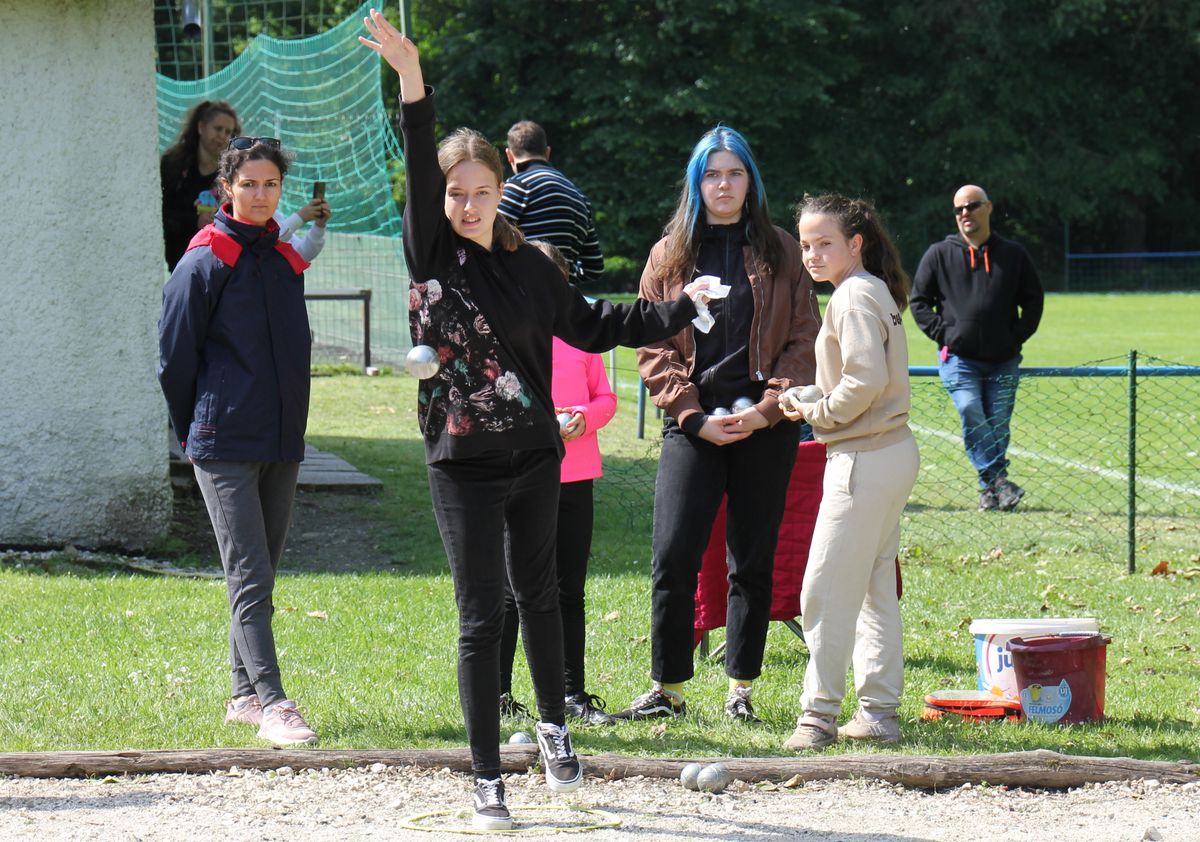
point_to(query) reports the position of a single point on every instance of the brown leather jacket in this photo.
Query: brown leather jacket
(782, 334)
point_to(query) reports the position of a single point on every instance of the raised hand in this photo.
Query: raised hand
(398, 51)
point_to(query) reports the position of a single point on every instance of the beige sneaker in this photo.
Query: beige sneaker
(245, 709)
(813, 733)
(885, 730)
(283, 725)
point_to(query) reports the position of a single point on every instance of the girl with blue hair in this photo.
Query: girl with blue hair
(721, 432)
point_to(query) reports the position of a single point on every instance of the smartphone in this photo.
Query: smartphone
(318, 190)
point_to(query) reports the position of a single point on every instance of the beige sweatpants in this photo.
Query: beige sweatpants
(848, 602)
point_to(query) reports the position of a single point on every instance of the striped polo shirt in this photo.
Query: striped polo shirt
(545, 205)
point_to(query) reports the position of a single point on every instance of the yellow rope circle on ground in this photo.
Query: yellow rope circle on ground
(606, 820)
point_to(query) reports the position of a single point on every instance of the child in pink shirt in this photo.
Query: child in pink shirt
(579, 387)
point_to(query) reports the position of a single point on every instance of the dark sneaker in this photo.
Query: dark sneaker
(655, 704)
(564, 772)
(588, 708)
(510, 708)
(1008, 494)
(988, 500)
(737, 705)
(491, 813)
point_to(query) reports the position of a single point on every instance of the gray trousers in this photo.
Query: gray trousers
(250, 505)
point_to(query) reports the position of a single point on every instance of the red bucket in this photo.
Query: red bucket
(1061, 677)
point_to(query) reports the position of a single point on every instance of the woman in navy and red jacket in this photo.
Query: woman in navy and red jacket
(234, 366)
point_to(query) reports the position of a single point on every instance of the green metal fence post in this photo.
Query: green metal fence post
(1131, 526)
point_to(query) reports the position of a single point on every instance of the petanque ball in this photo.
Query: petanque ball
(809, 394)
(720, 410)
(713, 778)
(688, 775)
(422, 362)
(564, 418)
(742, 404)
(519, 737)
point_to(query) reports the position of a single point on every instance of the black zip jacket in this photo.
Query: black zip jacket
(981, 303)
(234, 345)
(491, 316)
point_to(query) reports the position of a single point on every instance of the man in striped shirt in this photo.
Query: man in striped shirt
(545, 205)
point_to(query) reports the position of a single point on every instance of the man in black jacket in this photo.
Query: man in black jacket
(979, 298)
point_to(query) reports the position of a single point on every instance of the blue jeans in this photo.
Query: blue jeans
(984, 393)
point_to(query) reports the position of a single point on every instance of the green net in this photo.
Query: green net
(321, 96)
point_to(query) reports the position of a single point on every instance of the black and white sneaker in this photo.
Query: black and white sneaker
(654, 704)
(564, 772)
(588, 708)
(738, 707)
(491, 813)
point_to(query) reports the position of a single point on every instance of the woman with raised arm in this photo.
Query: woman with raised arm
(490, 304)
(848, 603)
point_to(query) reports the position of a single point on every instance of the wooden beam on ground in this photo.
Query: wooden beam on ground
(1034, 769)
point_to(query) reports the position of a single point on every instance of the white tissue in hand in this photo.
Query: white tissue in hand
(705, 320)
(716, 289)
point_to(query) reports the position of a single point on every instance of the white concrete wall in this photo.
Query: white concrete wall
(82, 422)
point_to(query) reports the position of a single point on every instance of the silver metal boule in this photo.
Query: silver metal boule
(720, 410)
(564, 418)
(809, 394)
(742, 404)
(713, 778)
(519, 737)
(688, 775)
(422, 362)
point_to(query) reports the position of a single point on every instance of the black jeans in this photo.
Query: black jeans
(250, 506)
(693, 475)
(483, 503)
(575, 519)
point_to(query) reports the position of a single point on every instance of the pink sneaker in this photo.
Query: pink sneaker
(283, 725)
(244, 709)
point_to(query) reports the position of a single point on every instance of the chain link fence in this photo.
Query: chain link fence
(1108, 454)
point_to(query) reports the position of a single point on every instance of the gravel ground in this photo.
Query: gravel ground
(381, 803)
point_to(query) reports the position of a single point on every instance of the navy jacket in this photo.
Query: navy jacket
(234, 345)
(983, 303)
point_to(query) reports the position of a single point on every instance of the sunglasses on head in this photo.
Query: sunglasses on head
(249, 142)
(969, 207)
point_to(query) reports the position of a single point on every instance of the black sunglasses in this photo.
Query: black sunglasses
(250, 142)
(969, 207)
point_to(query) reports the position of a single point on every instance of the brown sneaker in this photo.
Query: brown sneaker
(283, 725)
(244, 709)
(813, 733)
(885, 730)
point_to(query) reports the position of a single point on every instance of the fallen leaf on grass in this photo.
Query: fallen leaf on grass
(639, 639)
(1161, 569)
(659, 730)
(612, 615)
(318, 615)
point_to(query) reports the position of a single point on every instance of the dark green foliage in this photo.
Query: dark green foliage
(1076, 112)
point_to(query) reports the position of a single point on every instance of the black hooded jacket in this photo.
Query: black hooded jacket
(981, 303)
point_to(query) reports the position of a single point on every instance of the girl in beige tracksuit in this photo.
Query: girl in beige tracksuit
(850, 608)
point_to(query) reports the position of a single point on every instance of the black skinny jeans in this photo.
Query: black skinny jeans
(482, 503)
(575, 520)
(693, 475)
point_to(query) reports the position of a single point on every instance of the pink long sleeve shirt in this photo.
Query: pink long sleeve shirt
(578, 383)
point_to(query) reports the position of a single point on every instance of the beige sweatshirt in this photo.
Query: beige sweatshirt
(862, 367)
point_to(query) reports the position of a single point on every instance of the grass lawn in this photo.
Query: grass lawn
(97, 660)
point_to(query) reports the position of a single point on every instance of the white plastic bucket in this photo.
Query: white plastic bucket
(994, 661)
